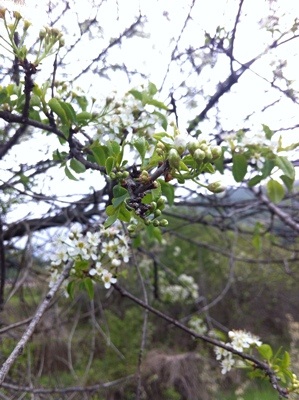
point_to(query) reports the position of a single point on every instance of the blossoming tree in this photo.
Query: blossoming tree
(141, 159)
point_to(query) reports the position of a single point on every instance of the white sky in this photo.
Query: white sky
(151, 56)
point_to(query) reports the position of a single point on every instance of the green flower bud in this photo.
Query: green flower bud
(126, 174)
(131, 228)
(163, 222)
(208, 156)
(161, 203)
(156, 222)
(112, 175)
(192, 145)
(216, 187)
(157, 213)
(203, 146)
(216, 152)
(174, 158)
(199, 155)
(153, 205)
(180, 143)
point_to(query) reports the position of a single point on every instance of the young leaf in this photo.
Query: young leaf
(110, 220)
(286, 166)
(124, 214)
(265, 351)
(69, 174)
(77, 166)
(100, 153)
(141, 146)
(109, 164)
(71, 289)
(56, 107)
(239, 167)
(89, 287)
(255, 180)
(167, 191)
(268, 132)
(275, 191)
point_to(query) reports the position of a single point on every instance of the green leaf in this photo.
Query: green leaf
(255, 180)
(219, 163)
(268, 132)
(69, 110)
(56, 107)
(82, 102)
(286, 166)
(152, 89)
(100, 153)
(156, 103)
(110, 210)
(267, 168)
(88, 283)
(71, 289)
(3, 96)
(110, 220)
(77, 166)
(239, 167)
(113, 148)
(163, 119)
(83, 118)
(208, 167)
(136, 94)
(167, 191)
(275, 191)
(69, 174)
(288, 182)
(110, 162)
(154, 233)
(286, 360)
(124, 214)
(141, 146)
(265, 351)
(120, 194)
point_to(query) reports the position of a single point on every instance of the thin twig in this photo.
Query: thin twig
(18, 350)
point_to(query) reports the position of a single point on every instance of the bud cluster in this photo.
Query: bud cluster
(119, 175)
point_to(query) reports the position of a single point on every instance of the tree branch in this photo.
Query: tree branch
(18, 350)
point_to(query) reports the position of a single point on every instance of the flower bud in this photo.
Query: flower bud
(216, 187)
(199, 156)
(192, 145)
(144, 176)
(163, 222)
(157, 213)
(161, 203)
(208, 153)
(174, 158)
(216, 152)
(131, 228)
(156, 222)
(180, 143)
(153, 206)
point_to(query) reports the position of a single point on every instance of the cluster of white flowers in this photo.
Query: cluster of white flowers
(95, 254)
(240, 341)
(185, 290)
(129, 115)
(198, 325)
